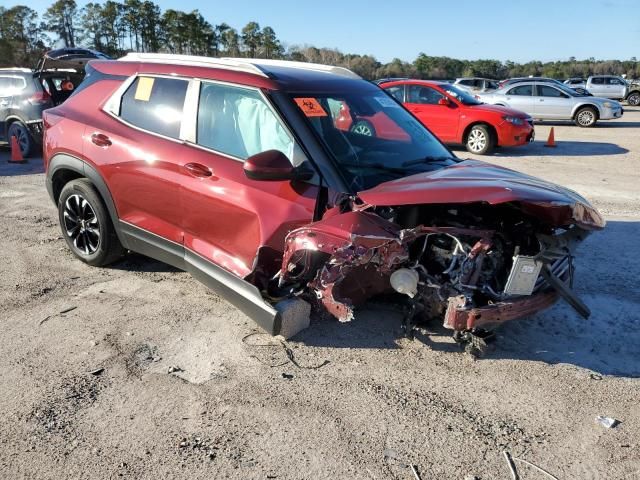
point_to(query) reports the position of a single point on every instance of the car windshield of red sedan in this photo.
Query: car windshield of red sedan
(461, 95)
(372, 138)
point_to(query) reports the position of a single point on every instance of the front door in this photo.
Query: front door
(616, 87)
(551, 102)
(227, 218)
(442, 120)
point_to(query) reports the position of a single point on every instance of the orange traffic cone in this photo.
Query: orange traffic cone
(551, 141)
(16, 153)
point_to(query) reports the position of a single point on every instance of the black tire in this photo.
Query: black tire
(25, 141)
(86, 225)
(480, 140)
(586, 117)
(634, 99)
(362, 127)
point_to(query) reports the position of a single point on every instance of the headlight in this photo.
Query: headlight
(608, 105)
(513, 120)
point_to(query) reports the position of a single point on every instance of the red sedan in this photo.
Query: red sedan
(456, 117)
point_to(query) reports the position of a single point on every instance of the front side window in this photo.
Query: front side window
(155, 104)
(522, 90)
(461, 95)
(615, 81)
(424, 95)
(238, 121)
(370, 137)
(547, 91)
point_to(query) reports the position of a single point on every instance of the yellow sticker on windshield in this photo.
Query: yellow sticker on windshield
(143, 90)
(311, 107)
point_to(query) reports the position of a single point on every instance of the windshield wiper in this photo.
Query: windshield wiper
(377, 166)
(434, 160)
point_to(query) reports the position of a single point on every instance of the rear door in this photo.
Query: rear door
(10, 86)
(551, 102)
(520, 97)
(227, 218)
(140, 154)
(442, 120)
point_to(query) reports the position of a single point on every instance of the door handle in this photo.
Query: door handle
(542, 99)
(101, 140)
(198, 170)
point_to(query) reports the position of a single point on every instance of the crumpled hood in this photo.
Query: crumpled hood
(473, 181)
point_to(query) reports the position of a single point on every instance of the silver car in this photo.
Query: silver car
(546, 101)
(476, 84)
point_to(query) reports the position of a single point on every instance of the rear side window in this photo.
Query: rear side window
(155, 104)
(11, 85)
(522, 90)
(597, 81)
(397, 92)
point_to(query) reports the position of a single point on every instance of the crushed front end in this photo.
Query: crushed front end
(471, 266)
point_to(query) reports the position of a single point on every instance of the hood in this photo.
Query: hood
(474, 181)
(485, 107)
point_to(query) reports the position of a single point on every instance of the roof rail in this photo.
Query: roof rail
(16, 69)
(257, 66)
(264, 63)
(194, 61)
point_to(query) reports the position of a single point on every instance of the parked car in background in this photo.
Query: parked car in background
(25, 94)
(575, 82)
(615, 87)
(476, 84)
(234, 170)
(547, 101)
(456, 117)
(511, 81)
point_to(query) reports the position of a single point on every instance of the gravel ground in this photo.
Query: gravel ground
(137, 371)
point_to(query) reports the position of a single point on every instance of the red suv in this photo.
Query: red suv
(457, 117)
(235, 171)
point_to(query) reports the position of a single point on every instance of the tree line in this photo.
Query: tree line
(115, 28)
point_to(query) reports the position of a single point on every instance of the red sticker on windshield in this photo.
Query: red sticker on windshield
(311, 107)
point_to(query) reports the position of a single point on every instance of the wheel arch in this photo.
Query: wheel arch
(580, 106)
(63, 168)
(492, 131)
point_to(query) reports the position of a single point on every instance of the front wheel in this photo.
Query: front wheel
(634, 99)
(86, 225)
(480, 140)
(25, 142)
(586, 117)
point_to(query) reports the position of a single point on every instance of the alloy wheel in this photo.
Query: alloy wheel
(81, 224)
(586, 117)
(477, 140)
(363, 129)
(634, 100)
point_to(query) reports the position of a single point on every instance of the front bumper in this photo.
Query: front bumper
(460, 318)
(611, 113)
(510, 135)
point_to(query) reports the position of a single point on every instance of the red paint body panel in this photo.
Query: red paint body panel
(451, 122)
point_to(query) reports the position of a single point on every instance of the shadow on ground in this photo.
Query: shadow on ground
(607, 343)
(563, 148)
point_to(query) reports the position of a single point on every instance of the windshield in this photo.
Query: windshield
(461, 95)
(371, 137)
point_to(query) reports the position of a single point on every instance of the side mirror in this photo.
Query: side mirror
(443, 101)
(273, 165)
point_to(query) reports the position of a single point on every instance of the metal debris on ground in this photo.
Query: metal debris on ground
(279, 344)
(540, 469)
(175, 369)
(607, 422)
(511, 465)
(97, 371)
(49, 317)
(415, 472)
(288, 376)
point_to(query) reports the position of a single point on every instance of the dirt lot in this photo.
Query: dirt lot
(240, 408)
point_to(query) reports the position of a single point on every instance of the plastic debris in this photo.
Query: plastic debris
(607, 422)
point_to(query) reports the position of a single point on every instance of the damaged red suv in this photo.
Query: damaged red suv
(235, 171)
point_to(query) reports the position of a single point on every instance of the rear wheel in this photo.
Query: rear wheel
(634, 99)
(586, 117)
(86, 225)
(362, 127)
(25, 142)
(480, 140)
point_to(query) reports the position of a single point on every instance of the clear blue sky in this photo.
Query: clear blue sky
(505, 30)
